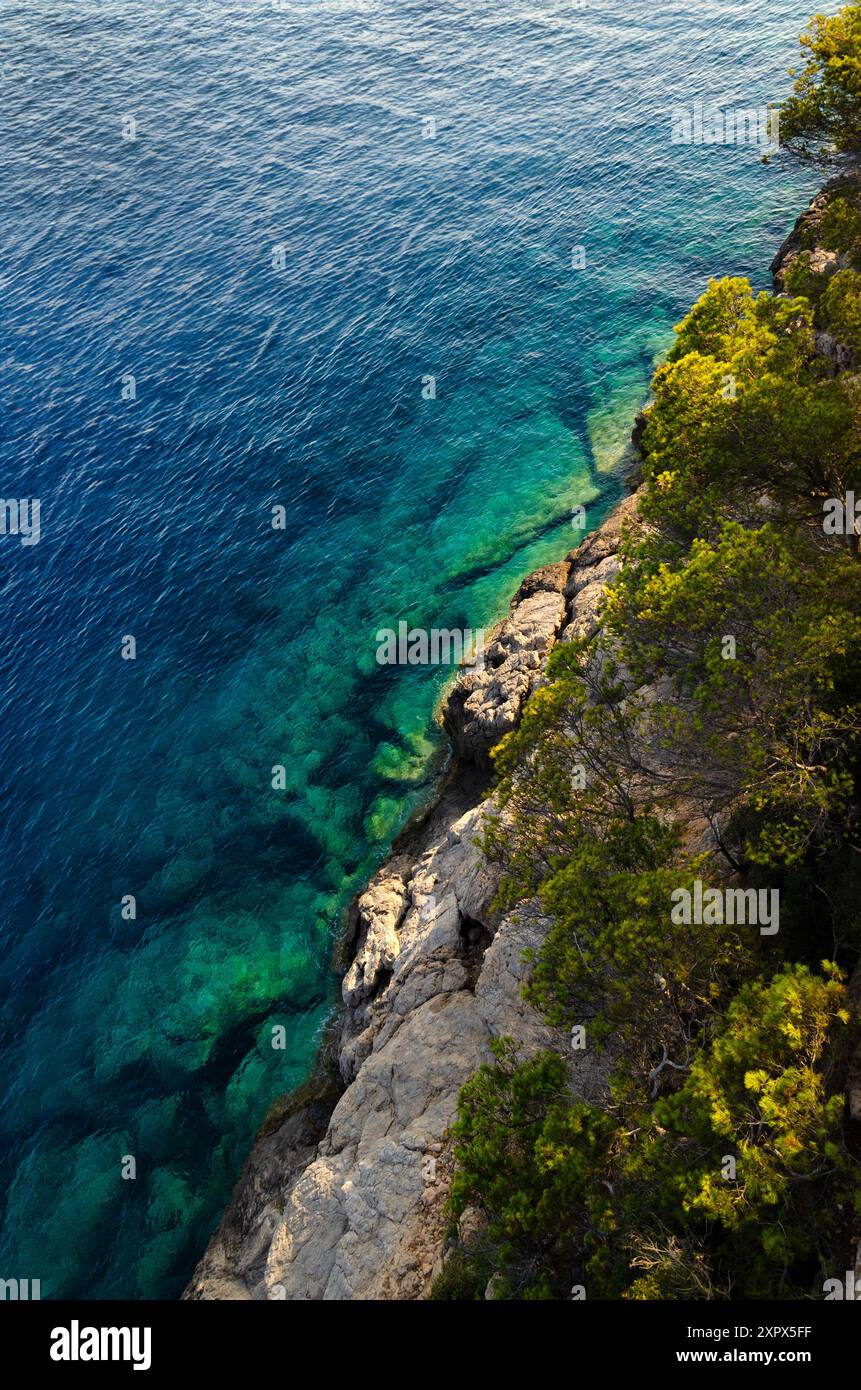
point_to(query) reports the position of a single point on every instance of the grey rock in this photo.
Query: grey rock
(381, 909)
(486, 701)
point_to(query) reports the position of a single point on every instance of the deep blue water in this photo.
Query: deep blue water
(298, 126)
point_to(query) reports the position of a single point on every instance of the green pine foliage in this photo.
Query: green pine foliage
(840, 229)
(841, 308)
(738, 1185)
(528, 1159)
(760, 1096)
(821, 121)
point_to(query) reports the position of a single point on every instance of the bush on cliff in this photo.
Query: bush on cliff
(744, 405)
(615, 963)
(527, 1159)
(569, 771)
(803, 279)
(822, 119)
(737, 1185)
(840, 229)
(759, 636)
(747, 1157)
(841, 308)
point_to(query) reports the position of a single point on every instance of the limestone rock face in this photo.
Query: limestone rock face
(486, 701)
(822, 262)
(503, 973)
(234, 1264)
(841, 357)
(380, 909)
(594, 565)
(354, 1223)
(804, 233)
(450, 883)
(354, 1210)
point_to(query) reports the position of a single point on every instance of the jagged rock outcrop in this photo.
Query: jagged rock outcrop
(803, 237)
(434, 976)
(486, 702)
(381, 910)
(596, 566)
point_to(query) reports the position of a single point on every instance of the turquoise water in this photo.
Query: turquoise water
(297, 126)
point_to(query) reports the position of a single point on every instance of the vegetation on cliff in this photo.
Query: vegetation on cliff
(822, 118)
(722, 695)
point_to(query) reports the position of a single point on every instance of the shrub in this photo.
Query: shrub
(822, 118)
(841, 308)
(840, 229)
(759, 1094)
(801, 278)
(525, 1158)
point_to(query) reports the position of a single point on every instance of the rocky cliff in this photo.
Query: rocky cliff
(805, 238)
(343, 1195)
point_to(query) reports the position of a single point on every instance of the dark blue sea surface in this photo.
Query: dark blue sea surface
(295, 136)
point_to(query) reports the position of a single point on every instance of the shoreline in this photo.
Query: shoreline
(328, 1204)
(296, 1124)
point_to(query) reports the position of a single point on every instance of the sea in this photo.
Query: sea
(316, 316)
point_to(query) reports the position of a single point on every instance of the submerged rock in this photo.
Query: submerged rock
(434, 976)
